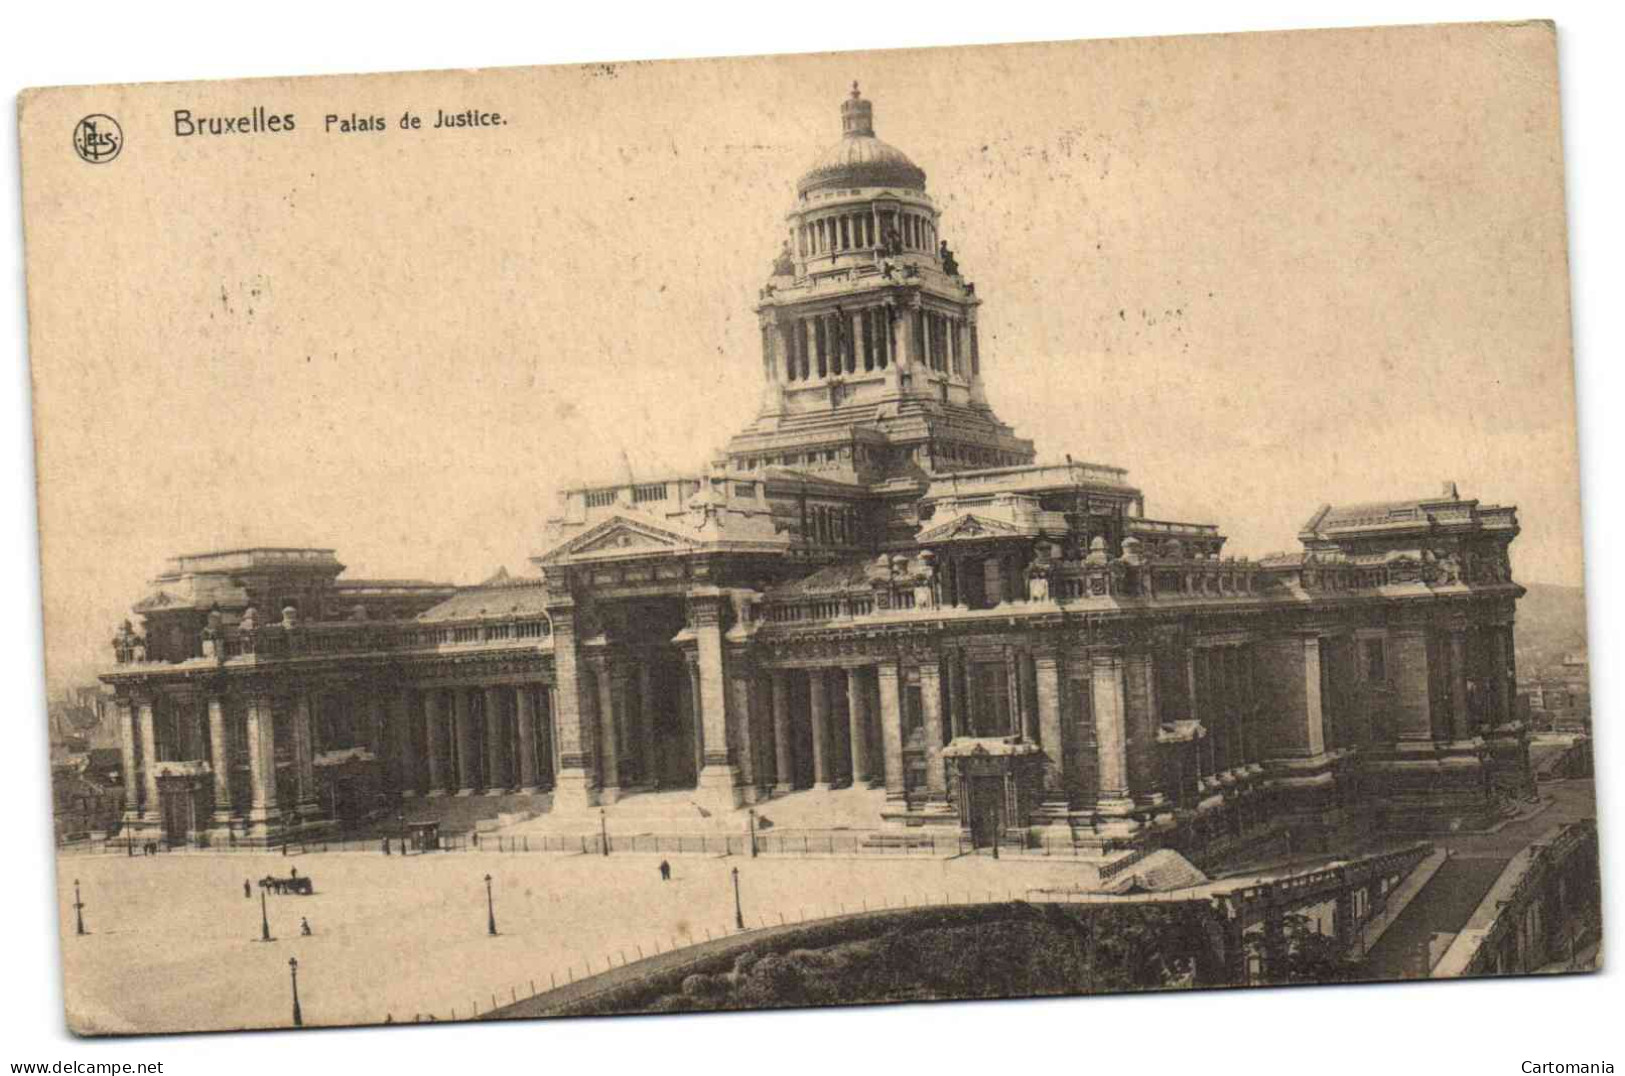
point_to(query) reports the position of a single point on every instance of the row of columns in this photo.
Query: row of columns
(593, 719)
(864, 230)
(446, 761)
(946, 712)
(493, 738)
(872, 737)
(139, 757)
(942, 339)
(1222, 692)
(1431, 670)
(840, 342)
(836, 343)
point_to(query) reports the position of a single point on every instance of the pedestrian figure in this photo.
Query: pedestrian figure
(665, 871)
(304, 926)
(385, 843)
(389, 1018)
(293, 872)
(248, 894)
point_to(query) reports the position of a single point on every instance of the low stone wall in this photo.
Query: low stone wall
(635, 986)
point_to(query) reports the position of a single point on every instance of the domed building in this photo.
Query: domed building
(874, 609)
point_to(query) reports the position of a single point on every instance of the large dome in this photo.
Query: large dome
(860, 159)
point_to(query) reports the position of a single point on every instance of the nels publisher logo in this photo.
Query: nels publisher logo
(97, 138)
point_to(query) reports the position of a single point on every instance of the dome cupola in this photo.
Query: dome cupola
(860, 159)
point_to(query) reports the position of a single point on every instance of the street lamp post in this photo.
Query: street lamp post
(739, 912)
(265, 920)
(293, 974)
(78, 910)
(490, 909)
(752, 822)
(400, 818)
(603, 830)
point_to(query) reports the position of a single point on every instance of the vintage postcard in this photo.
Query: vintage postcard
(810, 530)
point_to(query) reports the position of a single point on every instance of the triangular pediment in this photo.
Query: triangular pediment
(968, 527)
(624, 539)
(621, 537)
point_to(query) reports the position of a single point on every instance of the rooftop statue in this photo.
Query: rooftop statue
(785, 263)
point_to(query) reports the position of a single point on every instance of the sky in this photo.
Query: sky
(1262, 272)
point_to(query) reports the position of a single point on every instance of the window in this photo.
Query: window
(600, 498)
(653, 491)
(989, 698)
(1376, 665)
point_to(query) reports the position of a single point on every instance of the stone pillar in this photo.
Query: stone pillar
(1027, 693)
(1140, 720)
(783, 756)
(720, 777)
(1461, 720)
(696, 721)
(497, 757)
(611, 704)
(1413, 702)
(304, 758)
(377, 722)
(907, 352)
(891, 730)
(773, 336)
(434, 722)
(1047, 673)
(818, 699)
(1241, 662)
(953, 695)
(1509, 669)
(643, 745)
(262, 799)
(1219, 708)
(127, 760)
(149, 760)
(1505, 689)
(220, 761)
(936, 781)
(743, 721)
(572, 785)
(549, 728)
(857, 711)
(400, 717)
(1111, 735)
(524, 708)
(1207, 752)
(462, 724)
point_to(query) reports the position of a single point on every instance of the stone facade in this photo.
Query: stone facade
(873, 585)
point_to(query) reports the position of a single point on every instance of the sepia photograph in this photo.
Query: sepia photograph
(810, 530)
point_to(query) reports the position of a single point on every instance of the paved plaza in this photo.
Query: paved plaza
(173, 945)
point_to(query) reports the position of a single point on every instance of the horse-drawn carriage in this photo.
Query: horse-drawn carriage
(299, 886)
